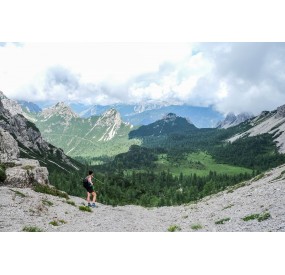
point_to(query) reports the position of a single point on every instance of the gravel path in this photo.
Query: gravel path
(266, 195)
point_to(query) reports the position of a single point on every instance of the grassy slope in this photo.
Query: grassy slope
(190, 165)
(77, 138)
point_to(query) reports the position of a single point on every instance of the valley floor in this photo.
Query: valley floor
(266, 195)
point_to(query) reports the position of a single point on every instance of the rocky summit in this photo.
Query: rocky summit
(233, 120)
(254, 206)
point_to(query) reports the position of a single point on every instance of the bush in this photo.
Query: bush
(222, 221)
(46, 189)
(173, 228)
(32, 229)
(85, 208)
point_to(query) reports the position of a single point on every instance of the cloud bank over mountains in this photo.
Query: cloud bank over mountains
(232, 77)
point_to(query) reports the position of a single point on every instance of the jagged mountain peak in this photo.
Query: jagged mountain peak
(232, 120)
(109, 118)
(59, 109)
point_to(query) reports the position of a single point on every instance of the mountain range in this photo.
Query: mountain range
(149, 111)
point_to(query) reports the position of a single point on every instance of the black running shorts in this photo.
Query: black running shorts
(89, 189)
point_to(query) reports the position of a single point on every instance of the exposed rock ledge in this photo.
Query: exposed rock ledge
(19, 172)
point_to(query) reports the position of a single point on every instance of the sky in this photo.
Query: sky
(230, 77)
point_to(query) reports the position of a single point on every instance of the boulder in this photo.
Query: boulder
(25, 173)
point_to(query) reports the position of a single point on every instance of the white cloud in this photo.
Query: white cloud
(233, 77)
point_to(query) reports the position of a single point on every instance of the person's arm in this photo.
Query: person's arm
(90, 181)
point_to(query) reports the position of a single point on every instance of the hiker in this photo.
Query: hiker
(88, 185)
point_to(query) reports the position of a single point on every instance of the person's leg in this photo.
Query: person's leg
(88, 197)
(94, 197)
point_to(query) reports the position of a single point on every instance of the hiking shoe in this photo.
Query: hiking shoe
(89, 204)
(94, 205)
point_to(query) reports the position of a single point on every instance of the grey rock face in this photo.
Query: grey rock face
(233, 120)
(281, 111)
(11, 105)
(9, 150)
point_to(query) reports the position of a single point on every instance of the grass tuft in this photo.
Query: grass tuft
(85, 208)
(250, 217)
(48, 203)
(54, 223)
(263, 216)
(222, 221)
(173, 228)
(18, 193)
(258, 177)
(228, 206)
(32, 229)
(46, 189)
(71, 203)
(196, 226)
(260, 217)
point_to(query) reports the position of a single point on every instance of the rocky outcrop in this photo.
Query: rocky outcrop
(233, 120)
(25, 173)
(19, 172)
(11, 105)
(280, 112)
(9, 150)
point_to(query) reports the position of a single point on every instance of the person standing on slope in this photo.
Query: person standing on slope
(89, 186)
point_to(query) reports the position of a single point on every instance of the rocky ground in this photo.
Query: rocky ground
(258, 196)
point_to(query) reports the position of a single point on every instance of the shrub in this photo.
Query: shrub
(32, 229)
(46, 189)
(222, 221)
(196, 226)
(173, 228)
(85, 208)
